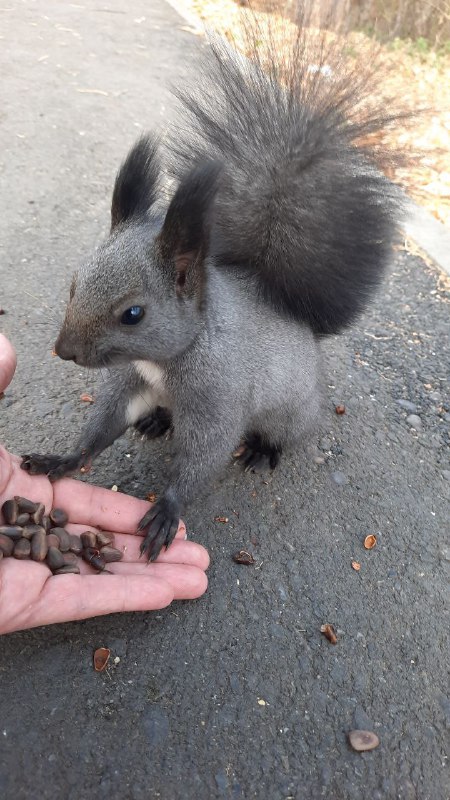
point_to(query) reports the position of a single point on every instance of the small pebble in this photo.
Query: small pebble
(363, 740)
(407, 405)
(414, 421)
(446, 474)
(445, 553)
(338, 478)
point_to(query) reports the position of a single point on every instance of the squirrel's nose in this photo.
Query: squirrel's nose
(65, 349)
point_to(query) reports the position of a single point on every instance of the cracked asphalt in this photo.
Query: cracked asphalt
(236, 695)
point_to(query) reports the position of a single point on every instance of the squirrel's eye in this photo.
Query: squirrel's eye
(132, 315)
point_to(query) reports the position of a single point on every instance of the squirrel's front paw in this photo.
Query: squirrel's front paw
(53, 466)
(161, 522)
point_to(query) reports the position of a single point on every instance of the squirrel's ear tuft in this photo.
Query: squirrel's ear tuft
(184, 238)
(136, 182)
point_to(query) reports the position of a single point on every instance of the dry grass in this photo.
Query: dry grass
(419, 80)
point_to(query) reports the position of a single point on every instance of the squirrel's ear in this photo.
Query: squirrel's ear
(184, 237)
(136, 182)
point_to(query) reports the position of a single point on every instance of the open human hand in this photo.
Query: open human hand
(31, 596)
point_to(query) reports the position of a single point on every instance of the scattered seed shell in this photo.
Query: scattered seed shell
(340, 409)
(243, 557)
(101, 658)
(329, 633)
(151, 497)
(220, 519)
(356, 565)
(370, 541)
(363, 740)
(87, 398)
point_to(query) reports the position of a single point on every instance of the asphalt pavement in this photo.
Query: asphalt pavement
(237, 695)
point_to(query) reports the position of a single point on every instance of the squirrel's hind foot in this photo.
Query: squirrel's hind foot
(258, 456)
(155, 424)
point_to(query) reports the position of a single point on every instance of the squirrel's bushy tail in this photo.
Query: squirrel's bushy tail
(302, 204)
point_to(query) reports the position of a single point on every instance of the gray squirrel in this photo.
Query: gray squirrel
(209, 313)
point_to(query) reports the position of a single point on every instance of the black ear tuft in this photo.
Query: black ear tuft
(136, 182)
(185, 233)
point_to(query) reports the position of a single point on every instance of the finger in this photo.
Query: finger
(179, 552)
(8, 361)
(187, 582)
(100, 507)
(129, 543)
(73, 597)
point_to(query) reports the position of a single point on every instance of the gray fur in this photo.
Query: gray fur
(279, 229)
(244, 370)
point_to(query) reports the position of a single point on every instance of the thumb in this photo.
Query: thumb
(8, 362)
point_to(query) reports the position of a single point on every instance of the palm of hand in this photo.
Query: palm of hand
(30, 595)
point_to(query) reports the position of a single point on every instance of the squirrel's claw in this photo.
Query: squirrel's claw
(258, 456)
(155, 424)
(54, 467)
(161, 522)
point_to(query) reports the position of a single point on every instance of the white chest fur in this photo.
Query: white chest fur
(151, 374)
(152, 395)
